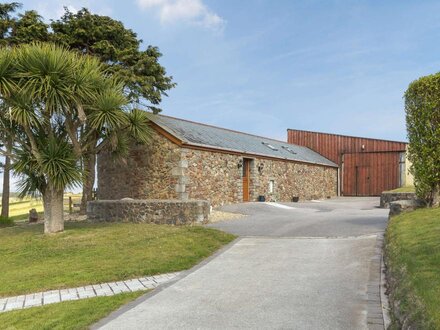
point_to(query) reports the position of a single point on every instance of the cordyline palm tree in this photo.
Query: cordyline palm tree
(52, 92)
(105, 129)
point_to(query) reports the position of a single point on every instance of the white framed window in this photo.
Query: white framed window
(271, 186)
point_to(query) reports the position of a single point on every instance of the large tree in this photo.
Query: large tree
(7, 20)
(422, 106)
(144, 80)
(25, 28)
(6, 138)
(51, 91)
(8, 131)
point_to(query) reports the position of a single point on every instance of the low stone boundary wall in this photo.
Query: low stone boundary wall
(158, 211)
(387, 197)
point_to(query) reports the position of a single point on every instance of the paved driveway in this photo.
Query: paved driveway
(308, 265)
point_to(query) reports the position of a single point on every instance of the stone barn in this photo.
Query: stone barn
(189, 160)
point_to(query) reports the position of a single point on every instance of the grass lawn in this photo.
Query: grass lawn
(93, 253)
(19, 208)
(66, 315)
(409, 189)
(413, 257)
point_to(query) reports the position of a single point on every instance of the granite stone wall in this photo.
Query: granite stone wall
(171, 212)
(388, 197)
(293, 180)
(147, 173)
(164, 170)
(217, 177)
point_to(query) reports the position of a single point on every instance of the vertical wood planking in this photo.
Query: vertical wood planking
(379, 159)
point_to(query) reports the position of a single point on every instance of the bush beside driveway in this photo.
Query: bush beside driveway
(412, 252)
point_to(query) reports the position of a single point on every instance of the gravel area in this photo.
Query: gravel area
(217, 216)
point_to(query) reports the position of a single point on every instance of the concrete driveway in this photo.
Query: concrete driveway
(313, 265)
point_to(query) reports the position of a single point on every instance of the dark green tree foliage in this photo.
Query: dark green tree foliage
(7, 20)
(29, 27)
(144, 78)
(422, 106)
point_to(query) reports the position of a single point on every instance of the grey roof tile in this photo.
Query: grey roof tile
(198, 134)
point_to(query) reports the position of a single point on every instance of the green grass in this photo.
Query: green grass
(93, 253)
(78, 314)
(408, 189)
(23, 217)
(6, 222)
(19, 208)
(413, 257)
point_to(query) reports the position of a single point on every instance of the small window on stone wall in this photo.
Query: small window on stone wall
(271, 186)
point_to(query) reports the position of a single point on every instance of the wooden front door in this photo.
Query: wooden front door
(246, 177)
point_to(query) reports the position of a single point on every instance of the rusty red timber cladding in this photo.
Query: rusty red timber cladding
(367, 166)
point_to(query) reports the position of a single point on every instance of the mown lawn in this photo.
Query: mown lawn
(93, 253)
(19, 208)
(413, 258)
(408, 189)
(79, 314)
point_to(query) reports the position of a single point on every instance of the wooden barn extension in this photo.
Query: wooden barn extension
(367, 167)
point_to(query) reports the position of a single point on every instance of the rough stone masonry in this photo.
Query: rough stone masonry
(164, 170)
(171, 212)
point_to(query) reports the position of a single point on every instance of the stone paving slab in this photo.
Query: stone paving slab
(84, 292)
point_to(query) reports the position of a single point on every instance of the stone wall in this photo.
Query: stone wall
(164, 170)
(216, 177)
(290, 179)
(146, 174)
(213, 176)
(171, 212)
(387, 197)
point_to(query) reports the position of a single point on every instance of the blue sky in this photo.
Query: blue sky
(263, 66)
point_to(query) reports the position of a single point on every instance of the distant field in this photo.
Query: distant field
(19, 208)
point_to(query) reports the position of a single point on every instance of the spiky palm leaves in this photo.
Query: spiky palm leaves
(58, 99)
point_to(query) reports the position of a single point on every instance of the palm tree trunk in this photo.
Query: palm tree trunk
(89, 181)
(6, 181)
(53, 210)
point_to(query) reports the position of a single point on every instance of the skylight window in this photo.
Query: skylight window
(269, 146)
(289, 150)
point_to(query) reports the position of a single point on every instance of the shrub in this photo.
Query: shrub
(422, 106)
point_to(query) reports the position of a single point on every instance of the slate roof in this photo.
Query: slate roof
(201, 135)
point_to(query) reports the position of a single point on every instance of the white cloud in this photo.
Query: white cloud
(193, 11)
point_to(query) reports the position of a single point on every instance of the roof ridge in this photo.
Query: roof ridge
(230, 130)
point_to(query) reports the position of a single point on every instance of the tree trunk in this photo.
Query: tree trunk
(89, 181)
(436, 197)
(6, 181)
(53, 210)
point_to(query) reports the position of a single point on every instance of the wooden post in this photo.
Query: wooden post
(70, 205)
